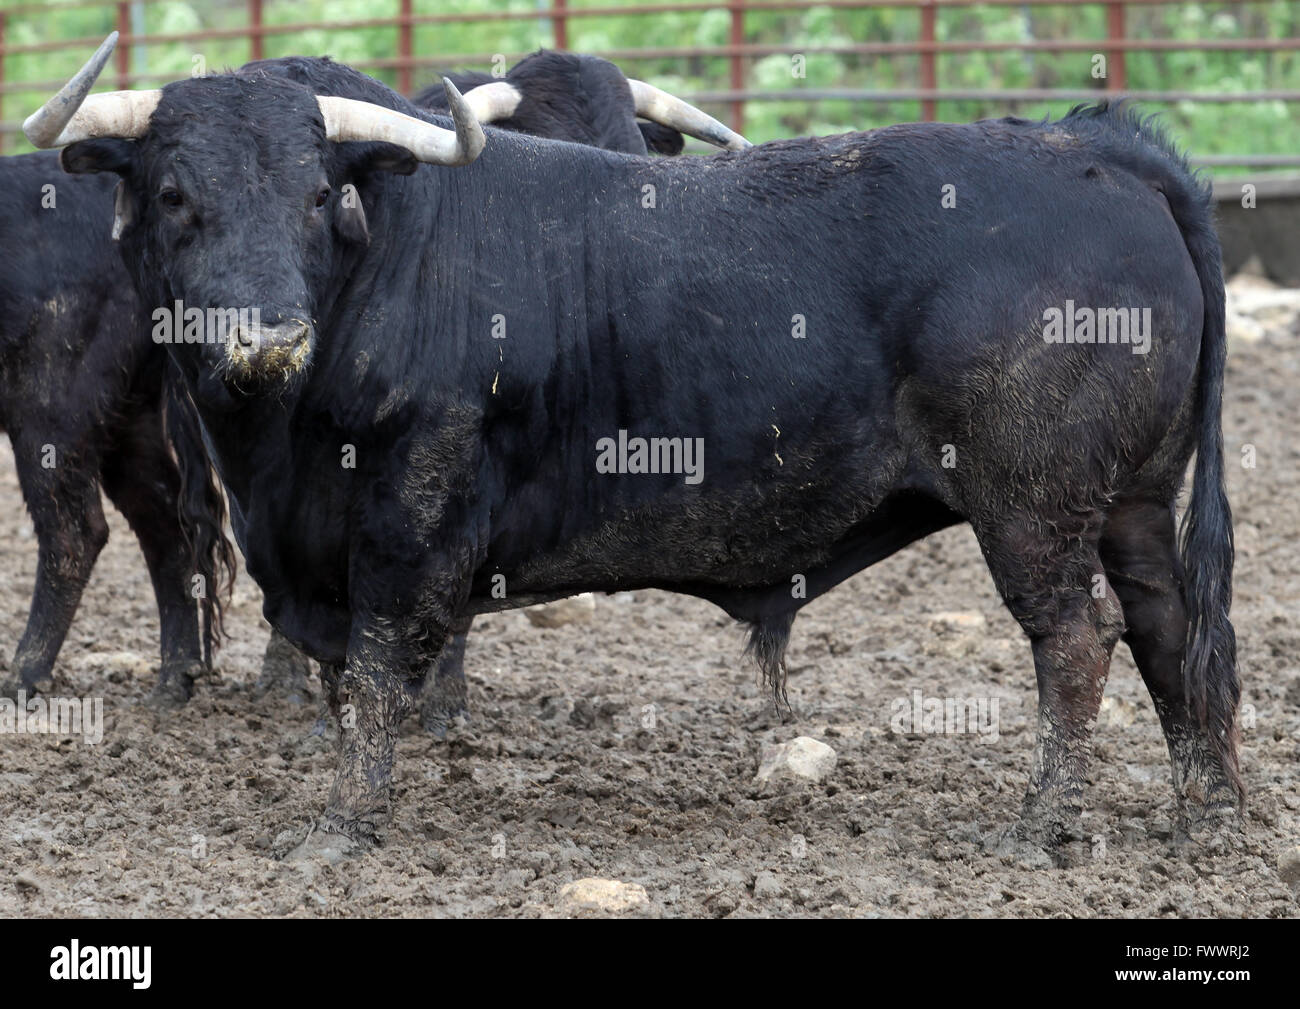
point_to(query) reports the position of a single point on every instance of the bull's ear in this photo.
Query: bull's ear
(350, 221)
(362, 160)
(370, 158)
(123, 209)
(103, 154)
(661, 139)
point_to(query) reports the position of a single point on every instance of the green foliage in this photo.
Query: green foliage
(814, 33)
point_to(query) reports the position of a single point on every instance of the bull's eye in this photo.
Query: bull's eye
(171, 198)
(322, 196)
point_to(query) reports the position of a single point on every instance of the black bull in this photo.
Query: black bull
(91, 414)
(863, 359)
(568, 96)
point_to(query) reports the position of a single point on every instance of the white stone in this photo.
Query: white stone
(802, 759)
(609, 895)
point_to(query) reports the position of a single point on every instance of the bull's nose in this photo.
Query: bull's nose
(286, 333)
(265, 350)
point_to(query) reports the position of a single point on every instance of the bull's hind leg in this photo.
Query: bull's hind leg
(329, 701)
(1140, 555)
(1050, 576)
(446, 697)
(285, 670)
(63, 500)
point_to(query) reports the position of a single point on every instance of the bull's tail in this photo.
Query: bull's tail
(202, 509)
(768, 637)
(1210, 662)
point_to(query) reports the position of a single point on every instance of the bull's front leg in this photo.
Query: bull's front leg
(378, 687)
(411, 564)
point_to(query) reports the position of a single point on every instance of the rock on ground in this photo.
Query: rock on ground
(609, 895)
(801, 759)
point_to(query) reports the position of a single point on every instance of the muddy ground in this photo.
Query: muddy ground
(558, 778)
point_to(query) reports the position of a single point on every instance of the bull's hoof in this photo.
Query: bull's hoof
(439, 719)
(176, 683)
(285, 671)
(1213, 827)
(444, 704)
(1039, 837)
(327, 845)
(172, 691)
(362, 829)
(12, 686)
(1025, 852)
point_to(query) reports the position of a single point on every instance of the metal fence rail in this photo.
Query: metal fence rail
(927, 50)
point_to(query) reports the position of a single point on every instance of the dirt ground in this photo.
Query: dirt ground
(564, 771)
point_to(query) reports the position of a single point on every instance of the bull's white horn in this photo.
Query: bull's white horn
(668, 110)
(493, 102)
(349, 119)
(71, 116)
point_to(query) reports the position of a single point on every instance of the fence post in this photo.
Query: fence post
(124, 45)
(737, 65)
(928, 76)
(1116, 72)
(405, 48)
(256, 51)
(561, 24)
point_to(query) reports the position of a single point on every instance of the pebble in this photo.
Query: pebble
(609, 895)
(801, 759)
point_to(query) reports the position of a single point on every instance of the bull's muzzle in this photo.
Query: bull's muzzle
(269, 352)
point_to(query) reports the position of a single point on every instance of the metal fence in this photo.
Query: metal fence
(402, 17)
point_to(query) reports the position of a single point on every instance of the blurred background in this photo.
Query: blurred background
(1225, 76)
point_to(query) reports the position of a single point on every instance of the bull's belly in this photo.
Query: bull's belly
(716, 552)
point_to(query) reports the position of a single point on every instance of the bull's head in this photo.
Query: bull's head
(232, 194)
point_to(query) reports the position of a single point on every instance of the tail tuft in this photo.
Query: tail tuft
(768, 638)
